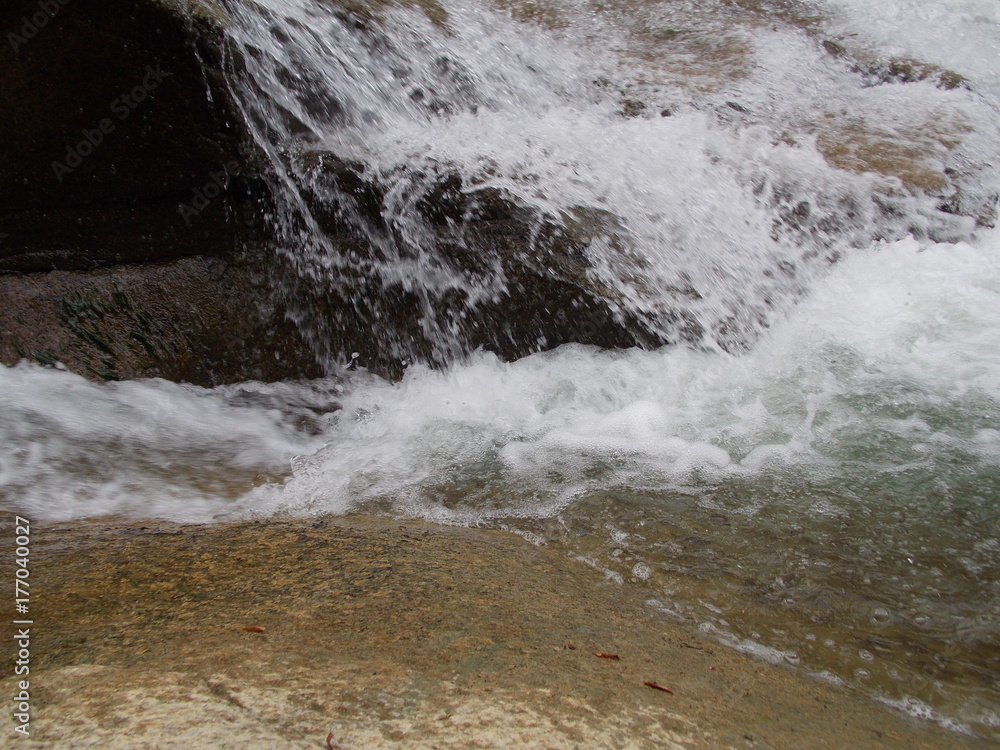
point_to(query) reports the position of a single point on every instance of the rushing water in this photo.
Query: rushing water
(816, 479)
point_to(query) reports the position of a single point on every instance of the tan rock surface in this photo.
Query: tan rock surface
(388, 634)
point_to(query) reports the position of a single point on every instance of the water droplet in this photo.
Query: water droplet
(866, 655)
(642, 572)
(881, 616)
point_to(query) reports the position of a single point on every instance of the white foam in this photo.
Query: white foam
(70, 448)
(524, 438)
(920, 710)
(963, 35)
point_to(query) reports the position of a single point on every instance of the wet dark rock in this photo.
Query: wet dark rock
(199, 319)
(534, 269)
(633, 108)
(896, 69)
(107, 105)
(124, 189)
(125, 168)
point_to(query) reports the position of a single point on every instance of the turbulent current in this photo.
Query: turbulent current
(812, 476)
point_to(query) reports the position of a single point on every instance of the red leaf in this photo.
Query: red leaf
(254, 629)
(658, 687)
(606, 656)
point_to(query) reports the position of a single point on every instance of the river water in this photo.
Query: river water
(814, 479)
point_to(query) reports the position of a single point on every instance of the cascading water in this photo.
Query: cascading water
(697, 226)
(801, 193)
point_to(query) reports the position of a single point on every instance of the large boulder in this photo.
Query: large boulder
(123, 152)
(129, 198)
(110, 124)
(532, 286)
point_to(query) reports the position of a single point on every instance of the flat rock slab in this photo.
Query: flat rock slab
(201, 320)
(379, 633)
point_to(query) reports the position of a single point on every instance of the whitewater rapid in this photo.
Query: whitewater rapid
(891, 364)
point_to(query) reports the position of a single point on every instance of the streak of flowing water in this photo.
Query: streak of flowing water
(815, 479)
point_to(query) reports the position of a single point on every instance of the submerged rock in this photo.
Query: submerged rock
(535, 270)
(895, 69)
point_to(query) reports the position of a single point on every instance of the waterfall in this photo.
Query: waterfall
(438, 169)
